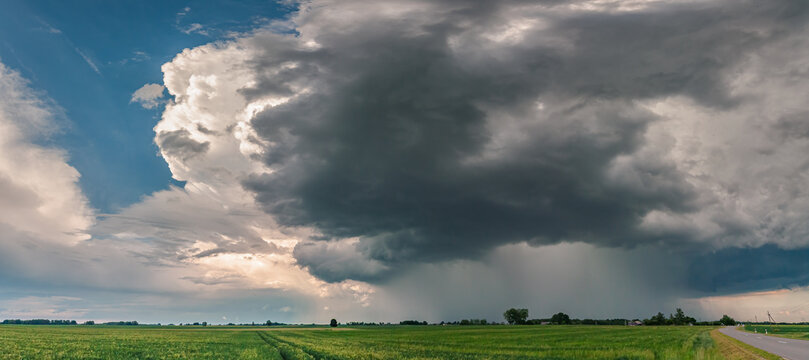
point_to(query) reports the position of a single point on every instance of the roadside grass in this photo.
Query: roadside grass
(733, 349)
(788, 331)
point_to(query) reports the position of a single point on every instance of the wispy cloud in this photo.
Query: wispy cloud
(48, 27)
(137, 56)
(195, 28)
(53, 30)
(88, 60)
(183, 12)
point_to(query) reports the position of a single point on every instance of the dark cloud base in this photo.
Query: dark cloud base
(736, 270)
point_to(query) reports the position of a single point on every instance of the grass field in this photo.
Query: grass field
(787, 331)
(393, 342)
(126, 342)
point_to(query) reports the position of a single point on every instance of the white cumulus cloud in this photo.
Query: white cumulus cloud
(39, 192)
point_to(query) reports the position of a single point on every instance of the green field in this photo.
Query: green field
(787, 331)
(390, 342)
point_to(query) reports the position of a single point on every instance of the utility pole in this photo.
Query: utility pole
(771, 321)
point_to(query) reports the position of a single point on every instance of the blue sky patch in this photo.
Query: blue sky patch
(90, 56)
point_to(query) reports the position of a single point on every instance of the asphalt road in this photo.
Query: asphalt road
(790, 349)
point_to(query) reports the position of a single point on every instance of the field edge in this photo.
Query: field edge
(733, 349)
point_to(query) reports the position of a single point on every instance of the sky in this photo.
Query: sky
(380, 161)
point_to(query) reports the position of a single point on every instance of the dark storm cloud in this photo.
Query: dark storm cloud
(793, 126)
(737, 270)
(337, 261)
(427, 142)
(179, 143)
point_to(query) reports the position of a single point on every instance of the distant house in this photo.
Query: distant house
(635, 323)
(545, 323)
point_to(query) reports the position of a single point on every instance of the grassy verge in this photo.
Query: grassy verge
(733, 349)
(800, 332)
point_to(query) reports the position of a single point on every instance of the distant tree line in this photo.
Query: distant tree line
(412, 322)
(520, 317)
(512, 316)
(119, 323)
(605, 321)
(560, 320)
(469, 322)
(679, 318)
(45, 322)
(266, 323)
(39, 322)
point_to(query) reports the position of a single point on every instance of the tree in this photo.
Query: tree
(269, 322)
(658, 319)
(560, 318)
(679, 318)
(333, 323)
(727, 321)
(516, 316)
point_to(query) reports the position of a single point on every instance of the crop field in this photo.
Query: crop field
(127, 342)
(386, 342)
(787, 331)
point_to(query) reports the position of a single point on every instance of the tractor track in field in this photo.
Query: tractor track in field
(263, 338)
(266, 337)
